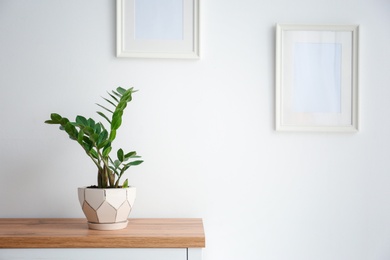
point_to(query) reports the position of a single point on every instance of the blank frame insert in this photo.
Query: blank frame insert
(317, 77)
(159, 20)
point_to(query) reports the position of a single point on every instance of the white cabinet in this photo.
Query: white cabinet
(102, 254)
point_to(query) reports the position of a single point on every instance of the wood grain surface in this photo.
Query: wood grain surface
(74, 233)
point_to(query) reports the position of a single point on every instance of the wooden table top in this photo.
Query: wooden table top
(74, 233)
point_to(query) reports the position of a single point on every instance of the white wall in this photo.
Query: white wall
(205, 128)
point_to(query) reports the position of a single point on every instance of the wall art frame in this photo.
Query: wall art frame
(316, 78)
(158, 29)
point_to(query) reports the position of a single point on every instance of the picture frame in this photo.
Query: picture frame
(316, 78)
(158, 29)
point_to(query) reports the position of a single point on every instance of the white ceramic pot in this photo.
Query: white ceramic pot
(107, 209)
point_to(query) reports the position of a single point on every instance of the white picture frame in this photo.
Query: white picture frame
(158, 29)
(316, 78)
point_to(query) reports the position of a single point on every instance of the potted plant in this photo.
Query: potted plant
(106, 205)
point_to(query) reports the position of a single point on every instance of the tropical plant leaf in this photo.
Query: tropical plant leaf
(87, 145)
(109, 110)
(64, 121)
(130, 154)
(112, 135)
(125, 183)
(102, 144)
(125, 168)
(104, 116)
(94, 153)
(116, 121)
(98, 128)
(88, 130)
(94, 137)
(71, 130)
(106, 151)
(80, 136)
(80, 120)
(91, 123)
(109, 101)
(113, 97)
(117, 163)
(102, 137)
(134, 163)
(121, 90)
(127, 94)
(55, 117)
(121, 106)
(116, 94)
(120, 155)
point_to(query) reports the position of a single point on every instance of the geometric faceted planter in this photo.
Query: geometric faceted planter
(107, 209)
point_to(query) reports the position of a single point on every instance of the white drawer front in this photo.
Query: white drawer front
(95, 254)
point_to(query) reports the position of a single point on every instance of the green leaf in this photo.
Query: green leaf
(112, 135)
(113, 97)
(102, 137)
(116, 123)
(105, 108)
(103, 144)
(55, 117)
(130, 154)
(125, 168)
(121, 106)
(89, 130)
(71, 130)
(121, 90)
(120, 155)
(109, 101)
(104, 116)
(94, 153)
(80, 136)
(106, 151)
(81, 120)
(116, 94)
(116, 120)
(125, 183)
(87, 144)
(117, 163)
(91, 123)
(94, 137)
(64, 121)
(127, 95)
(98, 128)
(135, 163)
